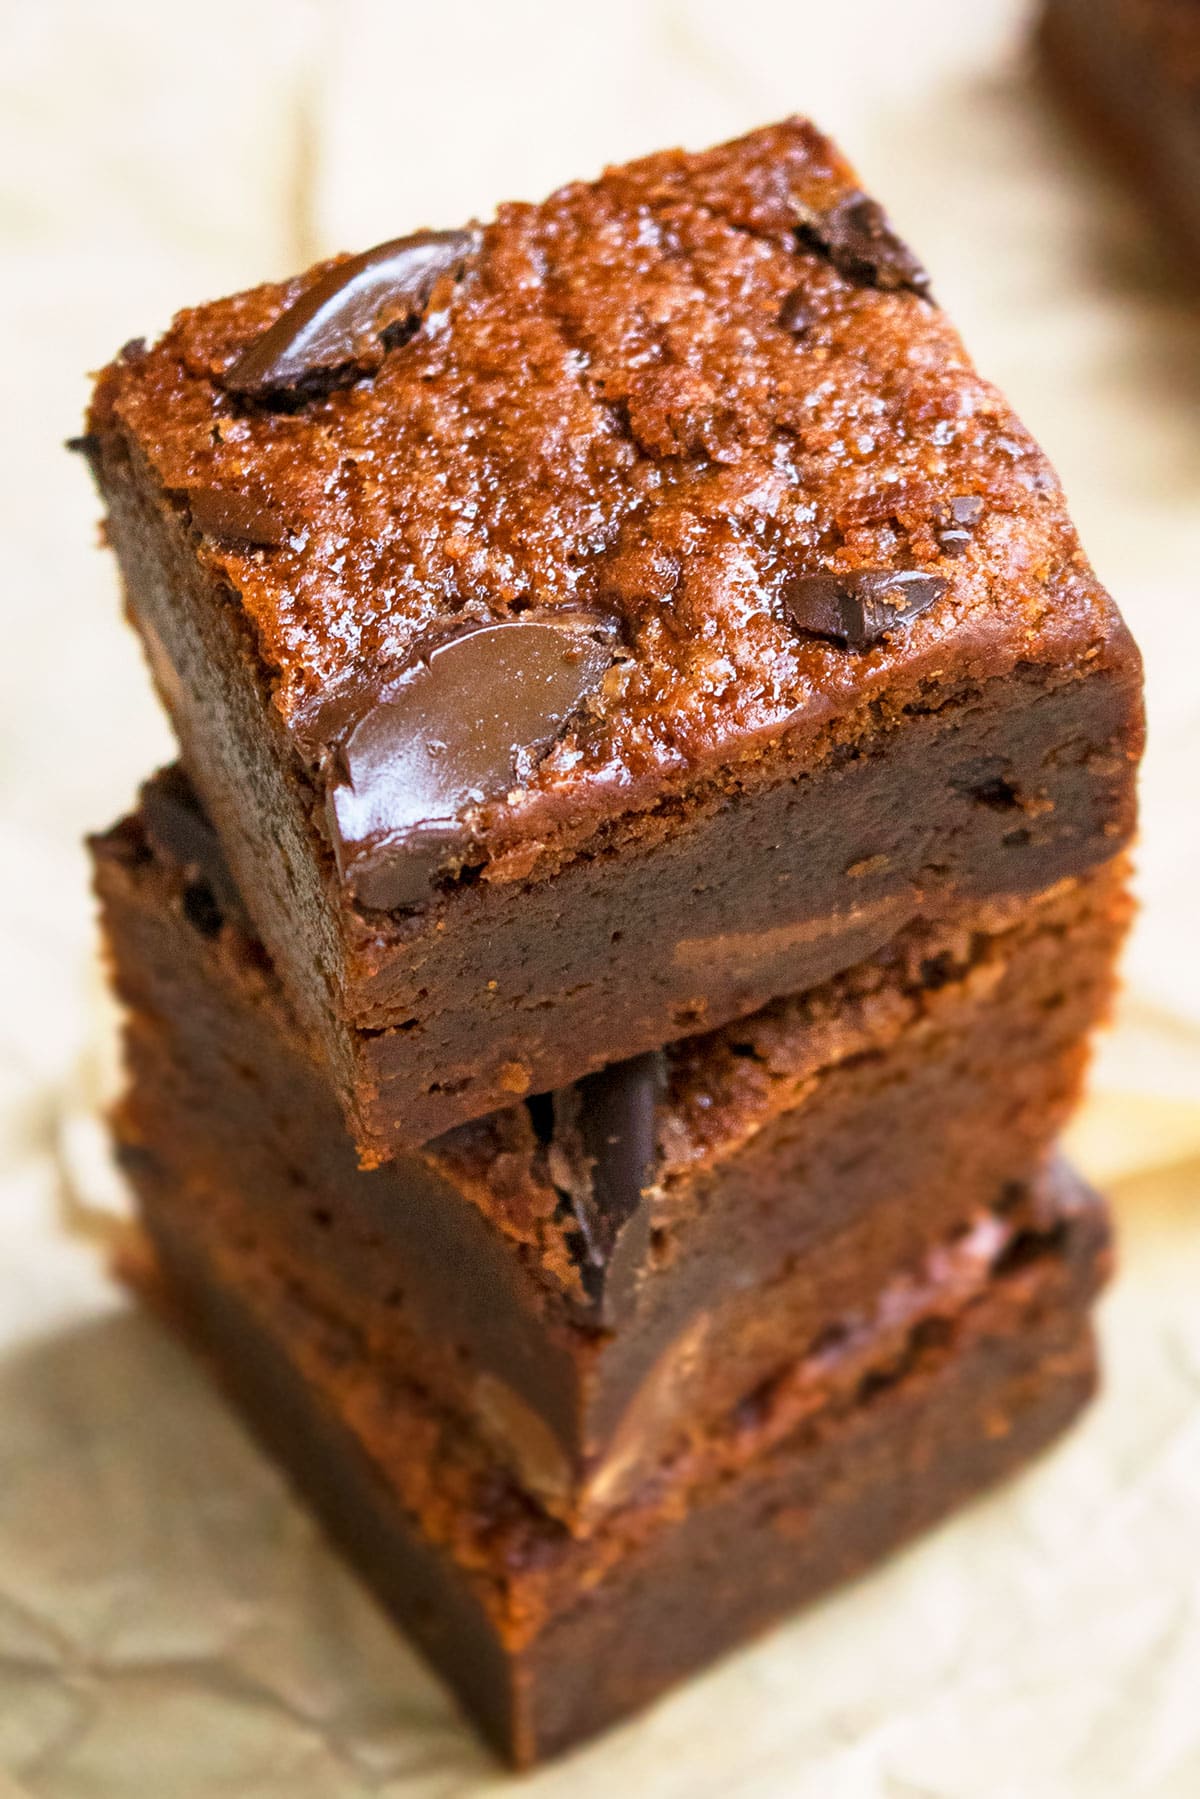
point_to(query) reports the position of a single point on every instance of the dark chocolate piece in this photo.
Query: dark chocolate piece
(602, 1155)
(956, 521)
(857, 237)
(179, 829)
(223, 512)
(796, 311)
(342, 318)
(860, 607)
(455, 729)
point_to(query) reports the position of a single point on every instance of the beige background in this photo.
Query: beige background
(169, 1623)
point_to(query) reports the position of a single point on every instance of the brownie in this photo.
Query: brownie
(586, 627)
(586, 1308)
(1131, 68)
(547, 1638)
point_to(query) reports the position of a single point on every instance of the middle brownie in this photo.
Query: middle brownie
(589, 1276)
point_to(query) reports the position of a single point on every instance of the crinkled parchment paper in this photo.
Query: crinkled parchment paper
(170, 1623)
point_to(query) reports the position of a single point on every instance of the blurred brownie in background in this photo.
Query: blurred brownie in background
(1131, 70)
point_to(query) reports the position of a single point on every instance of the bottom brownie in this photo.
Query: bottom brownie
(880, 1431)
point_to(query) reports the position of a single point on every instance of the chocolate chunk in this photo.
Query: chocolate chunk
(859, 241)
(177, 826)
(954, 541)
(341, 320)
(956, 521)
(202, 909)
(455, 728)
(861, 606)
(605, 1132)
(224, 512)
(796, 311)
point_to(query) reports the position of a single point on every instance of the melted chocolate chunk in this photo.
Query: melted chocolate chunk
(956, 521)
(859, 241)
(454, 729)
(606, 1129)
(796, 312)
(342, 319)
(859, 607)
(177, 826)
(223, 512)
(201, 909)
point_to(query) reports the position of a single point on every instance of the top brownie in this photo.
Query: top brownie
(587, 626)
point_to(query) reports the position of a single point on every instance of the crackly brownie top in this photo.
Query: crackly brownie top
(695, 435)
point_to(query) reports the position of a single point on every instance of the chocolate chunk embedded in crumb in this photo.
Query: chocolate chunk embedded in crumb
(240, 517)
(956, 521)
(452, 730)
(796, 312)
(860, 607)
(603, 1155)
(342, 319)
(178, 831)
(857, 237)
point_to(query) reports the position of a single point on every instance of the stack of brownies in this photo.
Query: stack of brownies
(606, 979)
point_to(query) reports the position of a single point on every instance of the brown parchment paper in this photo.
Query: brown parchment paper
(170, 1623)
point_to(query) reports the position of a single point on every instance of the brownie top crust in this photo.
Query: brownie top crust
(696, 434)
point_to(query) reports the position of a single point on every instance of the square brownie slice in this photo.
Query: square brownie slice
(547, 1639)
(585, 627)
(590, 1279)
